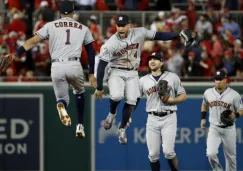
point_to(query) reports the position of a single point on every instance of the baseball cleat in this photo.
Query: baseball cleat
(109, 120)
(122, 136)
(64, 117)
(80, 131)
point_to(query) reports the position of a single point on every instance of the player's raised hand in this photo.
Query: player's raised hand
(92, 80)
(203, 123)
(99, 94)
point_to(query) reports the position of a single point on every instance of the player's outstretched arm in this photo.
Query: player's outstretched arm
(5, 61)
(29, 44)
(185, 34)
(100, 76)
(91, 59)
(166, 36)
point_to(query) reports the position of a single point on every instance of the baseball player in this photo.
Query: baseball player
(217, 100)
(122, 51)
(66, 37)
(161, 124)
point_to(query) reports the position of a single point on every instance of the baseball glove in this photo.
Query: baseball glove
(225, 117)
(164, 90)
(5, 61)
(189, 41)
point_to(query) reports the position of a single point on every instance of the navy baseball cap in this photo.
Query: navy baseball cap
(156, 55)
(220, 75)
(122, 19)
(66, 7)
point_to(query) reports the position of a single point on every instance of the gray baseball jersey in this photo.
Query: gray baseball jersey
(148, 87)
(160, 128)
(126, 52)
(66, 37)
(218, 133)
(229, 99)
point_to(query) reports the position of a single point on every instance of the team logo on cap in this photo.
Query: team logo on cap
(120, 18)
(153, 54)
(218, 73)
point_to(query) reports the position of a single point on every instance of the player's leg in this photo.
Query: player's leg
(168, 134)
(213, 142)
(229, 146)
(76, 78)
(60, 86)
(116, 88)
(131, 95)
(153, 138)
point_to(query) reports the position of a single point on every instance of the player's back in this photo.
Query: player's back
(66, 37)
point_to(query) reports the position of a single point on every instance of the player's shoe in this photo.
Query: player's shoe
(109, 121)
(80, 131)
(64, 117)
(122, 136)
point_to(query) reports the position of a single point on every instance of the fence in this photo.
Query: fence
(33, 138)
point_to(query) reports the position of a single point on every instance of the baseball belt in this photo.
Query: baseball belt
(69, 59)
(127, 69)
(161, 114)
(223, 126)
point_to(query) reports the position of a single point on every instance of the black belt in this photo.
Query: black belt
(224, 126)
(161, 114)
(69, 59)
(127, 69)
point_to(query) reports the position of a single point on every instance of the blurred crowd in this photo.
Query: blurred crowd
(218, 34)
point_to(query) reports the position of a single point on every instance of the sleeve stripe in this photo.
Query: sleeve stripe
(89, 42)
(36, 33)
(153, 36)
(104, 59)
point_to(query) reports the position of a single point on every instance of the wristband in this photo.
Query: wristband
(20, 51)
(203, 115)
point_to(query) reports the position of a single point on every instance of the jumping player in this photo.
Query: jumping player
(218, 99)
(66, 37)
(122, 51)
(161, 124)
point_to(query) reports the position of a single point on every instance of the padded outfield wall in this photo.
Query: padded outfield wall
(33, 138)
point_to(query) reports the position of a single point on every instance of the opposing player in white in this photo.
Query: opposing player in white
(161, 124)
(66, 37)
(216, 100)
(122, 51)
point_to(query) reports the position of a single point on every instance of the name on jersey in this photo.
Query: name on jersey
(152, 90)
(68, 24)
(219, 103)
(123, 51)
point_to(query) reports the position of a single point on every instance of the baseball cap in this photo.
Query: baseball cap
(122, 19)
(156, 55)
(220, 75)
(66, 7)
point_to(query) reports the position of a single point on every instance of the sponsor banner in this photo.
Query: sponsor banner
(21, 132)
(190, 141)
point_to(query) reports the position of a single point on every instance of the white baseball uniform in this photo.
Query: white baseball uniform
(123, 56)
(160, 129)
(218, 132)
(66, 37)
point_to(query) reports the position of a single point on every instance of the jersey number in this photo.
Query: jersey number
(68, 37)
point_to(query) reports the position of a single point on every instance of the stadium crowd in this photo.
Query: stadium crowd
(218, 34)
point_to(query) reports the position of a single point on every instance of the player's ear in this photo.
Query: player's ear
(161, 64)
